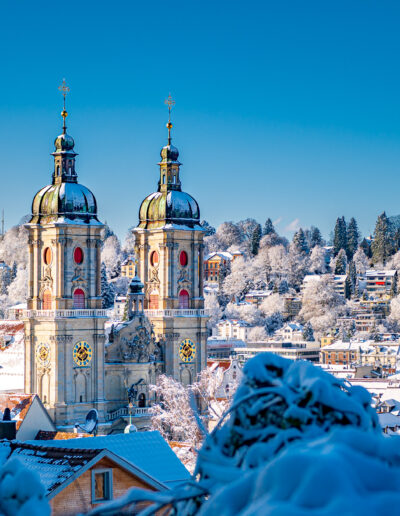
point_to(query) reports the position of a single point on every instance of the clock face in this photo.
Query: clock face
(187, 350)
(82, 353)
(43, 353)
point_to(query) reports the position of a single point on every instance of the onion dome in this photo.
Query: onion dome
(136, 286)
(169, 206)
(65, 200)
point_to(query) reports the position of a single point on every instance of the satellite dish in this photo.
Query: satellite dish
(90, 425)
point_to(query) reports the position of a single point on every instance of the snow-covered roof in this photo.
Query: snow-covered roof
(234, 322)
(221, 254)
(146, 450)
(19, 306)
(387, 419)
(373, 272)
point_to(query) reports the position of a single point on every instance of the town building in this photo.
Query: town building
(338, 282)
(256, 297)
(222, 349)
(379, 282)
(229, 329)
(292, 306)
(290, 332)
(128, 268)
(292, 350)
(215, 262)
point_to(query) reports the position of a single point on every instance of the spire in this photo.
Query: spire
(64, 154)
(170, 102)
(64, 90)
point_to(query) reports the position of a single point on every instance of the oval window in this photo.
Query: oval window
(78, 255)
(154, 258)
(183, 258)
(47, 256)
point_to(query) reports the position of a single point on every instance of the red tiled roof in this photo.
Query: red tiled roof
(46, 435)
(18, 404)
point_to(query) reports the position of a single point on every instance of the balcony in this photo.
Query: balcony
(65, 314)
(185, 312)
(125, 412)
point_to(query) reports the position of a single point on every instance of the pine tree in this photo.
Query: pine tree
(353, 238)
(341, 263)
(340, 236)
(107, 290)
(308, 333)
(14, 270)
(315, 237)
(208, 229)
(382, 245)
(255, 239)
(353, 276)
(347, 287)
(224, 270)
(126, 309)
(366, 247)
(268, 228)
(300, 242)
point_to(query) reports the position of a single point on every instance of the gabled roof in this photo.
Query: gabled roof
(221, 254)
(19, 405)
(146, 450)
(57, 467)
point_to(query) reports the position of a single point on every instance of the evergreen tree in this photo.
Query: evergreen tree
(208, 229)
(353, 276)
(347, 287)
(396, 239)
(14, 270)
(315, 237)
(255, 239)
(393, 289)
(300, 242)
(283, 287)
(107, 290)
(340, 236)
(353, 238)
(366, 247)
(382, 244)
(224, 270)
(268, 228)
(308, 333)
(126, 310)
(341, 263)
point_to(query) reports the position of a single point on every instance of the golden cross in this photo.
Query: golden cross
(64, 91)
(170, 102)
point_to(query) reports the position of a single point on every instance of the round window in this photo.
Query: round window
(183, 258)
(154, 258)
(47, 256)
(78, 255)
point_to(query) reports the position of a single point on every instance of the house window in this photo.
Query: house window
(79, 298)
(101, 485)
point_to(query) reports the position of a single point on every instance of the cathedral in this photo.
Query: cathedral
(71, 361)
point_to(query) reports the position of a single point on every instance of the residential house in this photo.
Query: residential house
(290, 332)
(232, 329)
(128, 267)
(379, 282)
(214, 262)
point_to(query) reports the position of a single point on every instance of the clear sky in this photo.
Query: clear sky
(284, 109)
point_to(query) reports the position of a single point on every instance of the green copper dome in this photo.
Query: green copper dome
(169, 207)
(64, 202)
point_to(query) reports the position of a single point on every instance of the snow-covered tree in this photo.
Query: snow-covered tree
(321, 305)
(228, 235)
(212, 305)
(255, 239)
(107, 290)
(315, 237)
(273, 323)
(14, 246)
(361, 261)
(394, 316)
(18, 289)
(212, 244)
(247, 228)
(111, 256)
(208, 229)
(239, 281)
(298, 266)
(341, 262)
(268, 228)
(317, 260)
(272, 304)
(382, 244)
(128, 248)
(353, 238)
(245, 311)
(257, 334)
(308, 334)
(5, 278)
(340, 236)
(300, 242)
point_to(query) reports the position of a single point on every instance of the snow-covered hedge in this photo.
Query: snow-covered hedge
(296, 441)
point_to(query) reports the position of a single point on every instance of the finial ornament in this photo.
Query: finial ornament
(170, 102)
(64, 91)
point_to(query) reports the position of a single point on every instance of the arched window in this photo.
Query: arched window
(154, 259)
(79, 298)
(46, 300)
(47, 256)
(183, 299)
(153, 300)
(142, 400)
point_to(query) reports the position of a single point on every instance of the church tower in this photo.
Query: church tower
(169, 246)
(64, 322)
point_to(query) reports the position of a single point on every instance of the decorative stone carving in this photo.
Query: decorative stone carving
(60, 339)
(141, 348)
(47, 279)
(78, 279)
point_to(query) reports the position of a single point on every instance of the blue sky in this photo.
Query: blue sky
(288, 110)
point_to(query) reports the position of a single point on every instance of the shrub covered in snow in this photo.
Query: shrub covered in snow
(296, 440)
